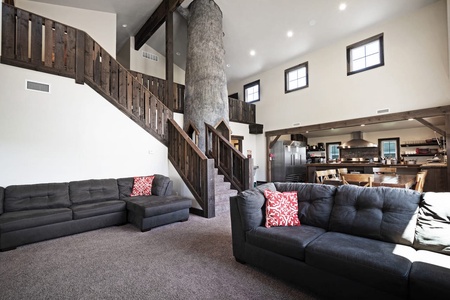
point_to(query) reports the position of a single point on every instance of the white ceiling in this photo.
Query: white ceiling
(259, 25)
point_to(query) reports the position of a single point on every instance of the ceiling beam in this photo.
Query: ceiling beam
(431, 126)
(401, 116)
(155, 21)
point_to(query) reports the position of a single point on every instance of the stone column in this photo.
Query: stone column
(206, 96)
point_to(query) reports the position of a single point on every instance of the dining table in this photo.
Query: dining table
(405, 181)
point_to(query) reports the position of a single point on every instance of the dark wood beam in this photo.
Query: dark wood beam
(10, 2)
(414, 114)
(155, 21)
(169, 60)
(447, 138)
(431, 126)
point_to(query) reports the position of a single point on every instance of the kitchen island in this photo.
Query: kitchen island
(436, 180)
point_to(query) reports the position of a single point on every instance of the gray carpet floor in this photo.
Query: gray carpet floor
(189, 260)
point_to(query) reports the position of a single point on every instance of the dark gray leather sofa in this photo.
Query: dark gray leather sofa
(353, 242)
(37, 212)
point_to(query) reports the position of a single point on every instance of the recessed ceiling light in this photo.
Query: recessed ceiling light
(312, 22)
(342, 6)
(252, 52)
(290, 33)
(124, 25)
(228, 65)
(363, 125)
(410, 119)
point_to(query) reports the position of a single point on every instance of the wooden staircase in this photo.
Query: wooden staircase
(38, 43)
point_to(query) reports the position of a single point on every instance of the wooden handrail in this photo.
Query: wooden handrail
(194, 167)
(236, 168)
(63, 50)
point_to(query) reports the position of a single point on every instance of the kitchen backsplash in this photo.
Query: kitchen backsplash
(366, 153)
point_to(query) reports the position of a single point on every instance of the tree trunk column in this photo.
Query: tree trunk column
(206, 96)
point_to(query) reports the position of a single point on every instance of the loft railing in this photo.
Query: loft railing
(242, 112)
(194, 167)
(158, 87)
(35, 42)
(236, 168)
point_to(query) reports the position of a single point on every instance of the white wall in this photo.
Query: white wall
(415, 76)
(101, 26)
(154, 68)
(70, 134)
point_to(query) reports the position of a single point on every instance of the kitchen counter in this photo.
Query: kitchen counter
(345, 165)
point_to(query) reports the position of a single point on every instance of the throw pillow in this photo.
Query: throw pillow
(281, 209)
(142, 186)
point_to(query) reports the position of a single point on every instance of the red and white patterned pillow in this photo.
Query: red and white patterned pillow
(281, 209)
(142, 186)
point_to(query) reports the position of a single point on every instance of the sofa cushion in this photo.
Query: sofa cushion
(281, 209)
(315, 202)
(142, 186)
(429, 276)
(36, 196)
(18, 220)
(2, 198)
(433, 224)
(382, 265)
(161, 186)
(382, 213)
(252, 207)
(148, 206)
(82, 211)
(93, 190)
(288, 241)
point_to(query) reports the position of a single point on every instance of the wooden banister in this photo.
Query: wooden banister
(194, 167)
(236, 168)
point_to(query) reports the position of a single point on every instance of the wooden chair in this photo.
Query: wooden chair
(321, 175)
(358, 179)
(385, 170)
(420, 180)
(342, 171)
(332, 174)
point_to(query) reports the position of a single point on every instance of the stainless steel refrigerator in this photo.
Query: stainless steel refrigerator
(288, 161)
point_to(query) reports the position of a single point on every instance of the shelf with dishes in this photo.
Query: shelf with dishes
(416, 148)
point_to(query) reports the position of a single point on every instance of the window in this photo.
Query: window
(365, 55)
(296, 78)
(389, 148)
(333, 150)
(251, 91)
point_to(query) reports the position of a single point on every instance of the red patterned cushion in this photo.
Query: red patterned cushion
(281, 209)
(142, 186)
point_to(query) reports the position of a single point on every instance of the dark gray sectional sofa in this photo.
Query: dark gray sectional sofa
(353, 242)
(37, 212)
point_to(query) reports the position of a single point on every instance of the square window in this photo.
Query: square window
(296, 78)
(365, 55)
(251, 91)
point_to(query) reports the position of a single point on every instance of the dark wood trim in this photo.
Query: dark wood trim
(286, 73)
(155, 21)
(397, 139)
(379, 37)
(431, 126)
(326, 148)
(169, 60)
(251, 84)
(401, 116)
(447, 139)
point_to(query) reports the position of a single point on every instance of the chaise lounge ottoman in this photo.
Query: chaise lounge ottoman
(159, 208)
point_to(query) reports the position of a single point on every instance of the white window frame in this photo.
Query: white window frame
(396, 141)
(252, 92)
(296, 78)
(365, 53)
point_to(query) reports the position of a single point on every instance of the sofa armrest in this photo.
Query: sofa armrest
(2, 199)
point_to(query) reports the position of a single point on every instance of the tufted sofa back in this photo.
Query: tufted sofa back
(387, 214)
(36, 196)
(315, 202)
(93, 190)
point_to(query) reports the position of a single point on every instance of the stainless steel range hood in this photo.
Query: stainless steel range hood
(357, 141)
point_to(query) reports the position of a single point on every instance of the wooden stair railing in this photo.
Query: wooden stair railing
(72, 53)
(236, 168)
(158, 87)
(196, 170)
